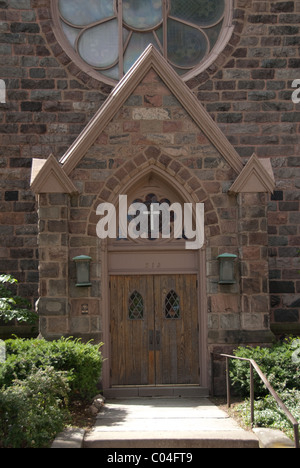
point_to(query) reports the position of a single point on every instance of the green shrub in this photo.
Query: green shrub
(33, 410)
(14, 307)
(276, 363)
(82, 362)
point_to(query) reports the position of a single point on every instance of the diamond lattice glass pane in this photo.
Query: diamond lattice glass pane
(172, 305)
(71, 33)
(136, 306)
(89, 45)
(82, 13)
(137, 44)
(143, 14)
(213, 33)
(112, 72)
(187, 46)
(198, 12)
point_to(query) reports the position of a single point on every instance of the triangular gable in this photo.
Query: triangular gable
(47, 176)
(256, 177)
(150, 59)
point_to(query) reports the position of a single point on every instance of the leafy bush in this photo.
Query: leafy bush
(33, 410)
(82, 362)
(14, 307)
(276, 363)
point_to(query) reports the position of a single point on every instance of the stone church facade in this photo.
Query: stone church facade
(226, 137)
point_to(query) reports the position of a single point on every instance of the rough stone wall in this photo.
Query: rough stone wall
(250, 96)
(46, 108)
(247, 91)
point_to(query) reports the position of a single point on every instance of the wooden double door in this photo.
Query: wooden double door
(154, 330)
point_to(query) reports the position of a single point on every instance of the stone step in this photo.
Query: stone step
(174, 440)
(159, 423)
(177, 391)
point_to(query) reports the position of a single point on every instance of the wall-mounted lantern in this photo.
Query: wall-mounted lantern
(83, 271)
(227, 268)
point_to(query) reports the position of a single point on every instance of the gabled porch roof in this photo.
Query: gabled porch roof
(256, 176)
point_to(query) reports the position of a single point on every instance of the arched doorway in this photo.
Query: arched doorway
(156, 299)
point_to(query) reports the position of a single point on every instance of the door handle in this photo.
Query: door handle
(154, 346)
(151, 340)
(157, 340)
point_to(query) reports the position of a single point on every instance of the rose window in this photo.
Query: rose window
(106, 37)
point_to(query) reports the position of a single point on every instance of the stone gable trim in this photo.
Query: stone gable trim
(47, 176)
(150, 59)
(256, 177)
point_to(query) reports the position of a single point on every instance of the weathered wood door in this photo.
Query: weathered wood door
(154, 330)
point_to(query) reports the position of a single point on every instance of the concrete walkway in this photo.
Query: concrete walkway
(166, 423)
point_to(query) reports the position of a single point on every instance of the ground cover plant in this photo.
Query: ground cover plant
(269, 415)
(281, 364)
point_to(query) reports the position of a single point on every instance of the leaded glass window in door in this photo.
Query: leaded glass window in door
(136, 306)
(172, 305)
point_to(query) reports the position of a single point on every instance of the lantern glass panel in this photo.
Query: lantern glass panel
(227, 269)
(83, 271)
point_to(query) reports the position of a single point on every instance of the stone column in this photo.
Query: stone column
(52, 305)
(253, 241)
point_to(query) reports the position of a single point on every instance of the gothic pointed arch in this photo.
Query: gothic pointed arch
(166, 171)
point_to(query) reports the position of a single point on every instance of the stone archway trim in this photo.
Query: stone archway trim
(152, 160)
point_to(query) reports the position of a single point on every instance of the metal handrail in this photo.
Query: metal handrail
(254, 365)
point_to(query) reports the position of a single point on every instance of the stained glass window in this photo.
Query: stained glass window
(172, 305)
(136, 306)
(110, 35)
(152, 220)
